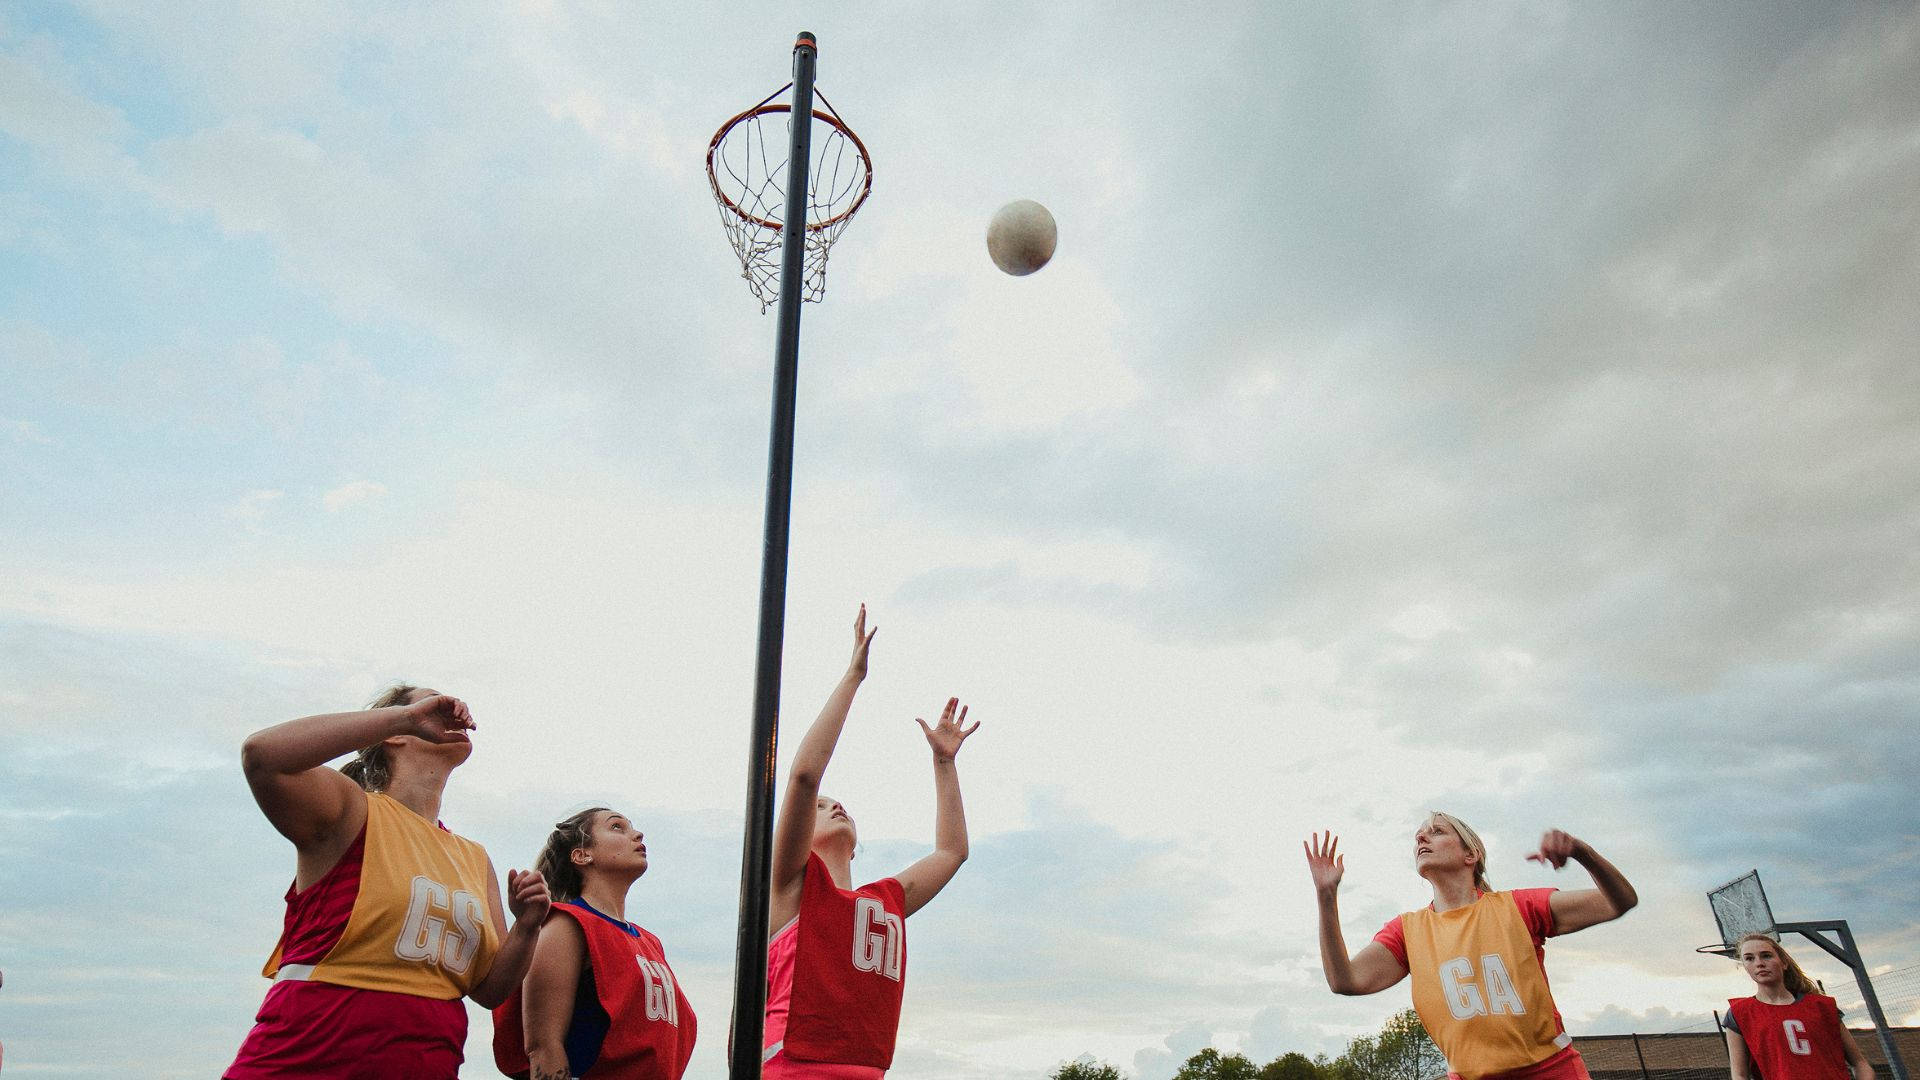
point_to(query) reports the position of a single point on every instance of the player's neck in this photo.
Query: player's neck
(419, 792)
(839, 862)
(1453, 891)
(606, 896)
(1773, 994)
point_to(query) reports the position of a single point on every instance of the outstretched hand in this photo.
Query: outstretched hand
(527, 896)
(1324, 860)
(1556, 848)
(862, 638)
(946, 736)
(440, 719)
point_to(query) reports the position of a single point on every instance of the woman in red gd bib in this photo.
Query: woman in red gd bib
(1787, 1030)
(599, 1001)
(1477, 956)
(837, 955)
(391, 919)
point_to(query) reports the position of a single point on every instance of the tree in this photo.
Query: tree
(1406, 1052)
(1211, 1064)
(1402, 1051)
(1290, 1066)
(1086, 1068)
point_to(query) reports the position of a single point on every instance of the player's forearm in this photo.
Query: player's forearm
(950, 813)
(509, 965)
(1333, 944)
(312, 741)
(1607, 878)
(817, 745)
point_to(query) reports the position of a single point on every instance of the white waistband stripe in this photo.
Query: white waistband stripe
(294, 973)
(767, 1054)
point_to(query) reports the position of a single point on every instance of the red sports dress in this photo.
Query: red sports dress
(375, 957)
(1803, 1041)
(1480, 986)
(835, 976)
(630, 1020)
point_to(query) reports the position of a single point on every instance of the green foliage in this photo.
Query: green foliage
(1402, 1051)
(1291, 1066)
(1211, 1064)
(1086, 1069)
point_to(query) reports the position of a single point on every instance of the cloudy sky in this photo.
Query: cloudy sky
(1501, 408)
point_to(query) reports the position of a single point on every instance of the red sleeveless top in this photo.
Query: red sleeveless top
(1802, 1041)
(834, 996)
(651, 1027)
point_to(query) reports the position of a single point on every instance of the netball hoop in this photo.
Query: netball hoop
(747, 167)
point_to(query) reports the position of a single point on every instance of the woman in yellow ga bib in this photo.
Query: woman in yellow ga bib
(1476, 956)
(391, 919)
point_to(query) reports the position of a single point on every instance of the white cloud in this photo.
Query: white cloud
(252, 508)
(349, 494)
(27, 431)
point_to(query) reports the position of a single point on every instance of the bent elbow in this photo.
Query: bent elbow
(253, 755)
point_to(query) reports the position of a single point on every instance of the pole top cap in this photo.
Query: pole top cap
(805, 41)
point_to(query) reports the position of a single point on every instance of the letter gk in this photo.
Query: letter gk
(878, 938)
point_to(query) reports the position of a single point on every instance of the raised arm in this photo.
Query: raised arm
(320, 808)
(1374, 969)
(793, 830)
(1576, 909)
(924, 879)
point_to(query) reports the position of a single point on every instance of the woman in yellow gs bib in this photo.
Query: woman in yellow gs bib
(391, 918)
(1476, 955)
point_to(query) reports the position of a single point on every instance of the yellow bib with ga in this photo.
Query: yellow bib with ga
(419, 923)
(1479, 987)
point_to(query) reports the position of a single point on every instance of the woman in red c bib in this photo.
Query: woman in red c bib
(1476, 956)
(836, 957)
(599, 1001)
(391, 919)
(1787, 1031)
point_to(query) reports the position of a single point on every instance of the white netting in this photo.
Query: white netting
(747, 166)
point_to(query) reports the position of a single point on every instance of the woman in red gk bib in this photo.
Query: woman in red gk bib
(1787, 1031)
(1476, 956)
(600, 1001)
(391, 919)
(836, 960)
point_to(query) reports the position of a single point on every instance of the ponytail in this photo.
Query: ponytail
(555, 862)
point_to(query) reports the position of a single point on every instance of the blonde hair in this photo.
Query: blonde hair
(1797, 982)
(370, 767)
(1474, 845)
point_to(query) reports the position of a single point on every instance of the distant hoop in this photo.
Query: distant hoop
(747, 171)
